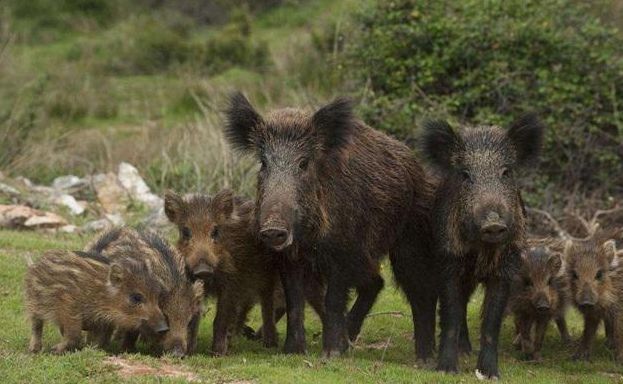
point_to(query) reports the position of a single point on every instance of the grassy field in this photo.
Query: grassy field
(383, 354)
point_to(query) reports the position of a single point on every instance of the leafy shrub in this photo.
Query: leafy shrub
(234, 46)
(481, 61)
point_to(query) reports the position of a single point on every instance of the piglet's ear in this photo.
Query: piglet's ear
(115, 275)
(526, 136)
(335, 123)
(439, 143)
(224, 203)
(173, 206)
(241, 121)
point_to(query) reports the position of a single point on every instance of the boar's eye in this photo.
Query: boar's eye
(303, 164)
(507, 173)
(550, 281)
(262, 163)
(527, 282)
(599, 275)
(214, 233)
(186, 233)
(574, 275)
(466, 176)
(136, 298)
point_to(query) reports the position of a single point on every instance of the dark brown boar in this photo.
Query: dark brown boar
(539, 294)
(479, 225)
(80, 291)
(180, 299)
(335, 195)
(596, 281)
(219, 246)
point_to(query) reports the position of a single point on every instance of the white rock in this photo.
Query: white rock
(8, 190)
(75, 208)
(138, 190)
(109, 221)
(68, 229)
(68, 182)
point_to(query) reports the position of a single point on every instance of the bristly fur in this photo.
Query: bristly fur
(179, 299)
(526, 135)
(344, 195)
(241, 120)
(334, 122)
(79, 292)
(477, 192)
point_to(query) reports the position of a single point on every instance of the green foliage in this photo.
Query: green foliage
(234, 46)
(481, 61)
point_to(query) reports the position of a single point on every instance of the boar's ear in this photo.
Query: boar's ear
(198, 290)
(335, 123)
(439, 143)
(241, 120)
(173, 206)
(224, 203)
(526, 136)
(115, 275)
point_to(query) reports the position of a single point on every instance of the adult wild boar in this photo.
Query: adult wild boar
(479, 225)
(336, 195)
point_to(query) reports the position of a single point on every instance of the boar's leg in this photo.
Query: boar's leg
(72, 336)
(468, 286)
(496, 298)
(315, 294)
(193, 333)
(292, 278)
(561, 324)
(417, 274)
(242, 315)
(591, 322)
(524, 327)
(334, 334)
(269, 331)
(129, 341)
(104, 332)
(608, 326)
(539, 335)
(225, 314)
(366, 296)
(450, 321)
(36, 336)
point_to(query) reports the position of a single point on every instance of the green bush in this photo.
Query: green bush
(478, 61)
(234, 46)
(145, 45)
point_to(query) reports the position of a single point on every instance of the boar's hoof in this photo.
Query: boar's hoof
(447, 366)
(331, 353)
(294, 348)
(483, 376)
(582, 354)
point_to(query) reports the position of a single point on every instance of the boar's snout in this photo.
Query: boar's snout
(542, 303)
(587, 299)
(276, 238)
(203, 271)
(493, 228)
(161, 326)
(177, 349)
(276, 223)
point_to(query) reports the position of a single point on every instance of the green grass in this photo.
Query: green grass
(249, 362)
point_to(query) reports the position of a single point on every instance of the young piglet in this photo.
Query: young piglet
(596, 288)
(81, 291)
(540, 293)
(180, 300)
